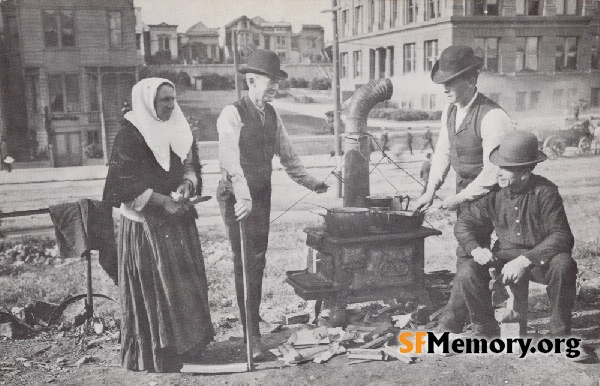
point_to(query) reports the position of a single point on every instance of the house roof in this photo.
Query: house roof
(163, 25)
(199, 29)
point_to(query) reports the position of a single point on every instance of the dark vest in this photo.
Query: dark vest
(257, 145)
(465, 142)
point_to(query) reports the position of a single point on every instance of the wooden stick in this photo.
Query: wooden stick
(249, 336)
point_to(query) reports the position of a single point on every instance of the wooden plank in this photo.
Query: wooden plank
(394, 352)
(378, 342)
(214, 369)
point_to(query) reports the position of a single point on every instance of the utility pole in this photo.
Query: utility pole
(336, 93)
(234, 36)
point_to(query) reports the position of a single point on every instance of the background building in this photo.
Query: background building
(202, 44)
(71, 64)
(303, 47)
(164, 42)
(540, 56)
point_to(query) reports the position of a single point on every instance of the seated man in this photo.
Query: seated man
(534, 241)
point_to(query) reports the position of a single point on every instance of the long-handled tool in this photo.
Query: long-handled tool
(249, 326)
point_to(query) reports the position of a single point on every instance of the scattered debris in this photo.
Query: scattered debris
(84, 359)
(297, 318)
(362, 353)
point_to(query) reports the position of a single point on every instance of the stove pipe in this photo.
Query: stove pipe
(357, 146)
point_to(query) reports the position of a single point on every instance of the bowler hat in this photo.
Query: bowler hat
(517, 148)
(264, 62)
(454, 61)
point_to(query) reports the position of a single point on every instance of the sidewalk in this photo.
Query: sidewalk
(98, 172)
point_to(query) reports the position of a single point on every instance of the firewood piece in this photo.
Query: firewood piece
(214, 369)
(297, 318)
(378, 342)
(437, 314)
(394, 352)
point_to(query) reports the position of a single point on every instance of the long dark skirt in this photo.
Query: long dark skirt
(164, 293)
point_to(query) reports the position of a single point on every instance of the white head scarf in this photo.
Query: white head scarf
(159, 135)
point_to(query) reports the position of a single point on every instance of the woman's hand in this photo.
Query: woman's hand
(185, 189)
(170, 205)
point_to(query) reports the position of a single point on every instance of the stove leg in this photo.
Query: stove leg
(313, 308)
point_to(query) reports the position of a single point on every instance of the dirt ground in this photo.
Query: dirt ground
(50, 358)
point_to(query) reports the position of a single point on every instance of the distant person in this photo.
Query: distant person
(385, 139)
(329, 123)
(425, 168)
(409, 140)
(6, 160)
(576, 111)
(428, 137)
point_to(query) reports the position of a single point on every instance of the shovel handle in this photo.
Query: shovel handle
(243, 244)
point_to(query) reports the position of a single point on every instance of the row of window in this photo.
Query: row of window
(60, 32)
(64, 93)
(381, 14)
(526, 55)
(524, 100)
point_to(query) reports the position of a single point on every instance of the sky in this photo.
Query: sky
(217, 13)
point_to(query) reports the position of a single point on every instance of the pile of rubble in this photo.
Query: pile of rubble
(371, 336)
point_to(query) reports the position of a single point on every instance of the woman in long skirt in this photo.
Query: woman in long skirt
(162, 280)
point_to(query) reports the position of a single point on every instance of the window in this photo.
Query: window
(424, 101)
(557, 99)
(59, 28)
(595, 52)
(534, 100)
(164, 43)
(115, 29)
(344, 65)
(521, 96)
(566, 53)
(431, 54)
(432, 103)
(487, 48)
(256, 39)
(381, 24)
(409, 58)
(411, 11)
(485, 7)
(93, 137)
(345, 23)
(32, 92)
(92, 86)
(566, 7)
(432, 9)
(527, 54)
(371, 16)
(529, 7)
(280, 41)
(390, 52)
(358, 21)
(394, 13)
(138, 41)
(64, 93)
(357, 61)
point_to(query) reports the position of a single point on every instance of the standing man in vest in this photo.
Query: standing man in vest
(250, 134)
(472, 126)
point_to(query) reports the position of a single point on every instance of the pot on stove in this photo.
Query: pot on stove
(347, 221)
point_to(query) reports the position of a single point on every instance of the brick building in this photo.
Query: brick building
(70, 66)
(540, 55)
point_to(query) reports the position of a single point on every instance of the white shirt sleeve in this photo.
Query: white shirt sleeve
(290, 160)
(229, 125)
(494, 125)
(440, 161)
